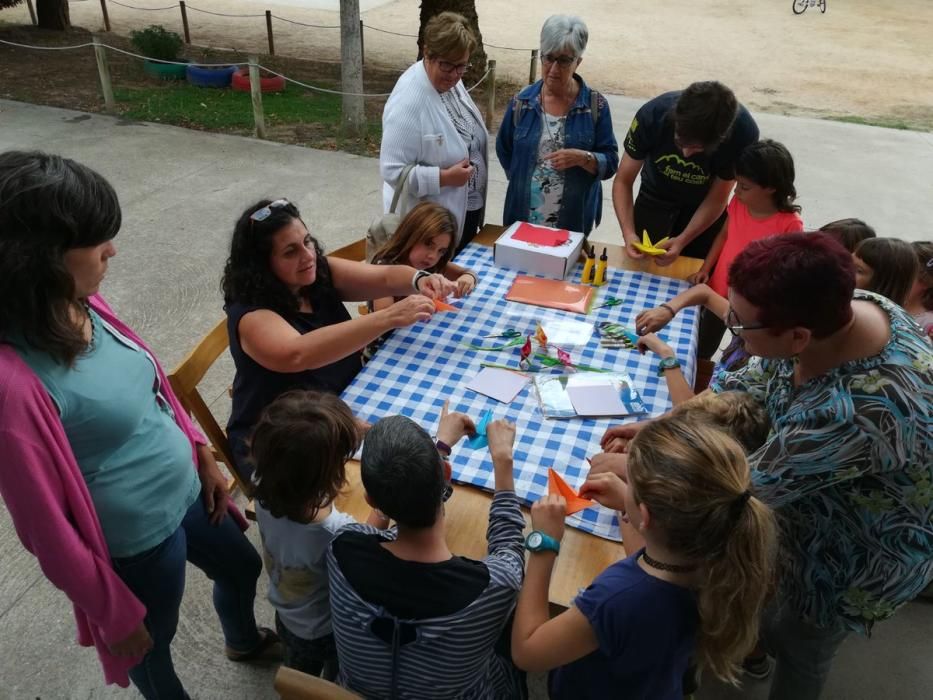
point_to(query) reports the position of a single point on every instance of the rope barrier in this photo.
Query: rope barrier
(212, 65)
(476, 84)
(218, 14)
(386, 31)
(290, 21)
(305, 24)
(145, 9)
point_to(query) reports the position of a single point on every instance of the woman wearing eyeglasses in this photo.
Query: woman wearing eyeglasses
(847, 382)
(556, 142)
(286, 321)
(431, 122)
(108, 483)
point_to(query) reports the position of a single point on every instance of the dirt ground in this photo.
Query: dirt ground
(862, 58)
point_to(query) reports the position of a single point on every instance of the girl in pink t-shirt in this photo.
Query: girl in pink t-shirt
(763, 205)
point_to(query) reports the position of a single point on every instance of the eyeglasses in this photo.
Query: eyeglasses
(266, 211)
(458, 68)
(732, 323)
(562, 61)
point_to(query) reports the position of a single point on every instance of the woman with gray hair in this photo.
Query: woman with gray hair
(556, 142)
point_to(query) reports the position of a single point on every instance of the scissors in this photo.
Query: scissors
(510, 333)
(611, 301)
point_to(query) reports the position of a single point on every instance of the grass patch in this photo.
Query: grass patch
(298, 115)
(205, 108)
(887, 123)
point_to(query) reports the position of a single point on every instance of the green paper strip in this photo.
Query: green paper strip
(511, 344)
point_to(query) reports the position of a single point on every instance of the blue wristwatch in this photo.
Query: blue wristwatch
(537, 541)
(667, 363)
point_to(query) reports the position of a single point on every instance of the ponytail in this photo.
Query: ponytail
(736, 582)
(694, 480)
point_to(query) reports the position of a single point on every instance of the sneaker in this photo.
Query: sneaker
(759, 667)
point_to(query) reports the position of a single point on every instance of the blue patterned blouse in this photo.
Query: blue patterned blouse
(849, 469)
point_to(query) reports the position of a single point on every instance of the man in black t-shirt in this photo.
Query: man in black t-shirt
(685, 145)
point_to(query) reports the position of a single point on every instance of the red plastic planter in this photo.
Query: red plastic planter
(268, 83)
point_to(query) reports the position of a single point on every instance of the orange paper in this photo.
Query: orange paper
(553, 294)
(557, 486)
(444, 306)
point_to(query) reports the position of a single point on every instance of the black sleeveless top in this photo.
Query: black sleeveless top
(255, 387)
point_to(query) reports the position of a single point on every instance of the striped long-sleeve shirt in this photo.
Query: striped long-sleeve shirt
(449, 656)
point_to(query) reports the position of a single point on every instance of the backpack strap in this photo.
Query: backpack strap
(401, 186)
(594, 107)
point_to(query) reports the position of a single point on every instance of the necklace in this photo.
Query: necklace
(661, 566)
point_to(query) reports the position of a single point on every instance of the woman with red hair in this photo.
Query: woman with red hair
(847, 384)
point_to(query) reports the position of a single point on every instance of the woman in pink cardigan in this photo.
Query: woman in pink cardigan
(107, 481)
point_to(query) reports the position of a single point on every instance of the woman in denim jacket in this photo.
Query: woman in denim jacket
(556, 141)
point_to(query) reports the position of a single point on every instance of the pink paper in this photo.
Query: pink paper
(540, 235)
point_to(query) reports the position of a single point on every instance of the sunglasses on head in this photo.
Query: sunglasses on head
(265, 212)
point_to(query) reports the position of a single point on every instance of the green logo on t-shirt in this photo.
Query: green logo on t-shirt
(682, 170)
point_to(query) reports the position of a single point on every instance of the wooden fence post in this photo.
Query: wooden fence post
(491, 93)
(362, 49)
(184, 20)
(103, 70)
(268, 31)
(255, 89)
(532, 69)
(103, 9)
(32, 11)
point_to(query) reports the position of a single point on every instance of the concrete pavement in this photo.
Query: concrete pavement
(181, 192)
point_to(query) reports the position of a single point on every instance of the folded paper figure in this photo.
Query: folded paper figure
(649, 248)
(480, 440)
(553, 294)
(557, 486)
(541, 235)
(444, 306)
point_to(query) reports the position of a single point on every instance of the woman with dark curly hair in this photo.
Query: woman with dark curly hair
(107, 481)
(286, 320)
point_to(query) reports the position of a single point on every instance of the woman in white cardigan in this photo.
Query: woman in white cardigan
(431, 121)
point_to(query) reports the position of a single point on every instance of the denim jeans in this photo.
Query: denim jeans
(157, 578)
(804, 653)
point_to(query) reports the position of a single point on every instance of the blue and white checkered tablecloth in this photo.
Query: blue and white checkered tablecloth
(421, 366)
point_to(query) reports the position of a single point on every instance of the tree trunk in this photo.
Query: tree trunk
(53, 14)
(467, 8)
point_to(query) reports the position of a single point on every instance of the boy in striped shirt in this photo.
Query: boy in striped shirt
(412, 620)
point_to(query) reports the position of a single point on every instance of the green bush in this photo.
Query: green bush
(157, 43)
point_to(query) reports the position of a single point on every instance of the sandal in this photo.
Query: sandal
(270, 648)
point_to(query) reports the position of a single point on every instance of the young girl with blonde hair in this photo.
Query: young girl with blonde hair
(697, 587)
(425, 239)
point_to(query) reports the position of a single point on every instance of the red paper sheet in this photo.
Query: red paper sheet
(540, 235)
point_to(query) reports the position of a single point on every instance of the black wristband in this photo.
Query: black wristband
(665, 306)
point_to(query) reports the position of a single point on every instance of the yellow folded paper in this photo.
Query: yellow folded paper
(649, 248)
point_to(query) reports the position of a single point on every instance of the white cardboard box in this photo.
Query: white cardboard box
(555, 262)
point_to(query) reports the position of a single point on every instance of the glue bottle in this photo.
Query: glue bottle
(587, 277)
(601, 269)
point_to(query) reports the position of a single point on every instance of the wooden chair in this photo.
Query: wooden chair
(185, 379)
(295, 685)
(703, 376)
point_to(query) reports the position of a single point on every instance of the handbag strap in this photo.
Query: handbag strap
(401, 186)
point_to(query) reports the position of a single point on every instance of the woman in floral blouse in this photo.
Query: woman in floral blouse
(848, 385)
